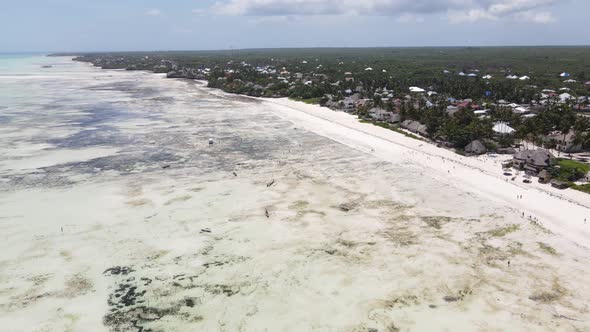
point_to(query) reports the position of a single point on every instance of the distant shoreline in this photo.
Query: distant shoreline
(321, 48)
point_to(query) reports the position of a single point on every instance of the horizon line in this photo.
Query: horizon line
(293, 48)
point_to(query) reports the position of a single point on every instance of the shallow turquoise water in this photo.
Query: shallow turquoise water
(20, 75)
(23, 64)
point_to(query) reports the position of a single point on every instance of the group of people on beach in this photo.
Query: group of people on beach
(533, 219)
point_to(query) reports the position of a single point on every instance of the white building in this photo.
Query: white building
(503, 128)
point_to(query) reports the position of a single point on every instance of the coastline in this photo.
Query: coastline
(296, 218)
(562, 211)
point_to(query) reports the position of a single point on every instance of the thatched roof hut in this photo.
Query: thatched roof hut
(544, 176)
(537, 158)
(415, 127)
(476, 147)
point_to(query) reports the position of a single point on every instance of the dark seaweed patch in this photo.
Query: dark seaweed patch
(100, 136)
(118, 270)
(128, 310)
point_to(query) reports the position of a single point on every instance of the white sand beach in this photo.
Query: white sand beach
(562, 211)
(297, 218)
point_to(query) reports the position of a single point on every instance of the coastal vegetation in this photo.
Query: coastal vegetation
(311, 101)
(570, 170)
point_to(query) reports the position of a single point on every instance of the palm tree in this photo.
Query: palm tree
(377, 101)
(581, 128)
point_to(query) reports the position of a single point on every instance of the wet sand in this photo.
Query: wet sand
(118, 215)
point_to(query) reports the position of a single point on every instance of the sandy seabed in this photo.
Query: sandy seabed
(117, 215)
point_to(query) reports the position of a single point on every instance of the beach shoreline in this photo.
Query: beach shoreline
(120, 216)
(540, 203)
(538, 199)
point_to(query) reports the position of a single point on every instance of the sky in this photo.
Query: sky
(134, 25)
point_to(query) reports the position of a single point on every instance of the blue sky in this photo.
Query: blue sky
(121, 25)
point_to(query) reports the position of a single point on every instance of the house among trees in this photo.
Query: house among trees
(502, 128)
(379, 114)
(415, 127)
(534, 161)
(564, 143)
(349, 103)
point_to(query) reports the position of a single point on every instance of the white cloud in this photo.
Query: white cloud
(329, 7)
(470, 16)
(513, 6)
(536, 17)
(458, 11)
(153, 12)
